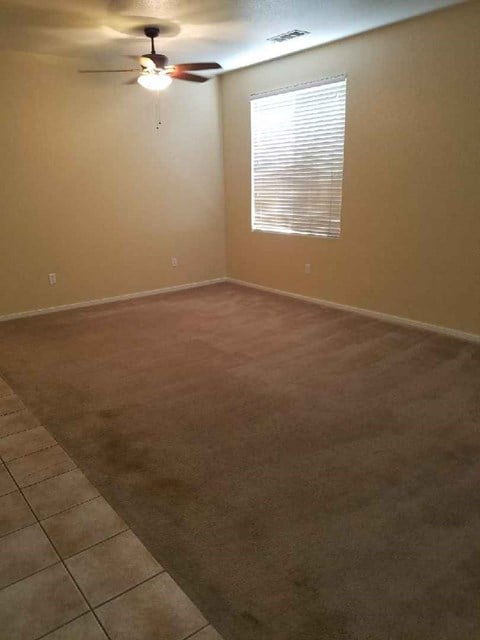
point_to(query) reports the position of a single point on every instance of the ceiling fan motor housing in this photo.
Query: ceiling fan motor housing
(156, 74)
(160, 61)
(151, 32)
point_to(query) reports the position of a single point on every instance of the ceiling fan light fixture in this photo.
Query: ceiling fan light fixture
(154, 81)
(147, 63)
(156, 74)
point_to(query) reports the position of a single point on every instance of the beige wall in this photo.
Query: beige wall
(90, 191)
(410, 242)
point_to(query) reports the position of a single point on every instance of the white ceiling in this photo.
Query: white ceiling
(232, 32)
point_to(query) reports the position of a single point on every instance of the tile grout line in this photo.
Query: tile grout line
(190, 635)
(39, 451)
(74, 506)
(33, 524)
(62, 560)
(57, 561)
(50, 446)
(14, 433)
(85, 613)
(76, 584)
(64, 564)
(30, 428)
(10, 413)
(25, 526)
(7, 494)
(155, 575)
(27, 486)
(114, 535)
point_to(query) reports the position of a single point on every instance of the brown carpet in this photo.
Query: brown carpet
(304, 473)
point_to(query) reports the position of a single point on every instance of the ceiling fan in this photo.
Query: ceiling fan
(156, 74)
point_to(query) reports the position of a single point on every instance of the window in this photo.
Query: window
(297, 158)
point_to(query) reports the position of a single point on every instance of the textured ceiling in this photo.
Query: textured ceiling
(232, 32)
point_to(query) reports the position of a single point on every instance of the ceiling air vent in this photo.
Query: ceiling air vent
(288, 35)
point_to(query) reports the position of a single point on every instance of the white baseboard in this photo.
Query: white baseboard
(92, 303)
(455, 333)
(378, 315)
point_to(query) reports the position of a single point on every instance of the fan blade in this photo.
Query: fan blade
(196, 66)
(191, 77)
(108, 71)
(132, 81)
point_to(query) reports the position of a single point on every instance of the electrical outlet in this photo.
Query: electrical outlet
(308, 268)
(174, 261)
(52, 279)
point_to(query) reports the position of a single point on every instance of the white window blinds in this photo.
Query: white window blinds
(297, 158)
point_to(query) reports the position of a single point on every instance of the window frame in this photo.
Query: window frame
(290, 89)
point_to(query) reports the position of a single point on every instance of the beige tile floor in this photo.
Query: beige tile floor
(70, 568)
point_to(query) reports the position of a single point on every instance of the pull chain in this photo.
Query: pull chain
(158, 120)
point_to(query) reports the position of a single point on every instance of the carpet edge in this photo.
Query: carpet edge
(98, 301)
(378, 315)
